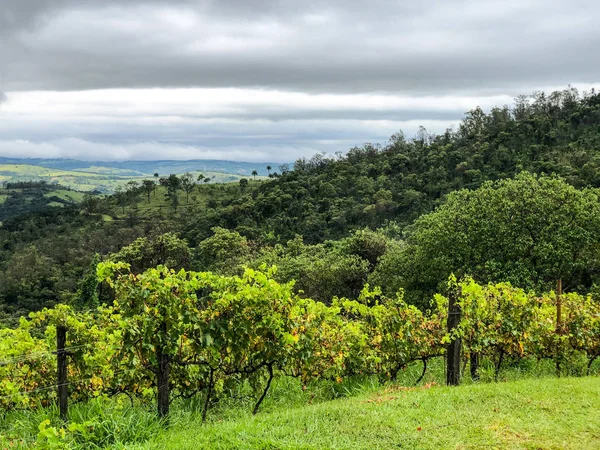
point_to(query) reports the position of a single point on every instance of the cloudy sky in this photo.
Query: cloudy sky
(268, 80)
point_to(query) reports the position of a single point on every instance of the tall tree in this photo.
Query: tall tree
(148, 186)
(148, 252)
(254, 174)
(132, 191)
(530, 231)
(156, 179)
(90, 203)
(121, 197)
(188, 184)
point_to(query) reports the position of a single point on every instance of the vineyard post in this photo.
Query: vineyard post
(474, 364)
(454, 347)
(163, 375)
(558, 324)
(61, 364)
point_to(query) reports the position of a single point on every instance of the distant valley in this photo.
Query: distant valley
(104, 177)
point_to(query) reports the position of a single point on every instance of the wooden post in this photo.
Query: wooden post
(163, 377)
(454, 348)
(474, 364)
(558, 324)
(61, 364)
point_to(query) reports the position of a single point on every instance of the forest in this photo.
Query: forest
(515, 190)
(337, 268)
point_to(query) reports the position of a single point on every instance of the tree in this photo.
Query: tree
(90, 203)
(121, 197)
(269, 170)
(148, 186)
(254, 174)
(530, 231)
(30, 281)
(132, 191)
(223, 252)
(188, 185)
(156, 181)
(173, 184)
(200, 178)
(146, 253)
(243, 183)
(175, 201)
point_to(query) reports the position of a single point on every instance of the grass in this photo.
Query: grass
(529, 409)
(91, 178)
(527, 414)
(68, 196)
(159, 203)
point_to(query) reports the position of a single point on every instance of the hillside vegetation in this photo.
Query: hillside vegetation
(311, 220)
(18, 198)
(101, 179)
(324, 198)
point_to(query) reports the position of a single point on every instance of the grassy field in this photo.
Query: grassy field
(527, 414)
(160, 203)
(528, 409)
(16, 201)
(92, 178)
(66, 195)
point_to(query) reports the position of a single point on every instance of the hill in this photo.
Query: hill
(546, 413)
(100, 177)
(146, 168)
(324, 200)
(17, 198)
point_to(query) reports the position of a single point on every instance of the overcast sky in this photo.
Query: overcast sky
(267, 80)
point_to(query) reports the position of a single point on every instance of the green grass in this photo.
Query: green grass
(528, 409)
(159, 203)
(66, 195)
(91, 178)
(527, 414)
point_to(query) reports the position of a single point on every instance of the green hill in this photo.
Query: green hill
(25, 197)
(91, 178)
(146, 168)
(531, 414)
(324, 200)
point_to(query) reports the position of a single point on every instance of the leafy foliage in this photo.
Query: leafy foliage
(529, 231)
(220, 331)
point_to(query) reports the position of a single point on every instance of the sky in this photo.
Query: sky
(268, 80)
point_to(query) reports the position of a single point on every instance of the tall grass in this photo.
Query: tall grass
(116, 422)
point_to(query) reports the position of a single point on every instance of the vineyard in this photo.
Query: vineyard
(183, 334)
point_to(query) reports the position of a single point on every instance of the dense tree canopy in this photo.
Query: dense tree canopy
(325, 198)
(529, 231)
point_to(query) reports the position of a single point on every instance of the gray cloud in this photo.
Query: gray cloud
(435, 46)
(271, 79)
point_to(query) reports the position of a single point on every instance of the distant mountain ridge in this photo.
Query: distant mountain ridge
(143, 168)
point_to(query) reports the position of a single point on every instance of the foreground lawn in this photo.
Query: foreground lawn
(529, 414)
